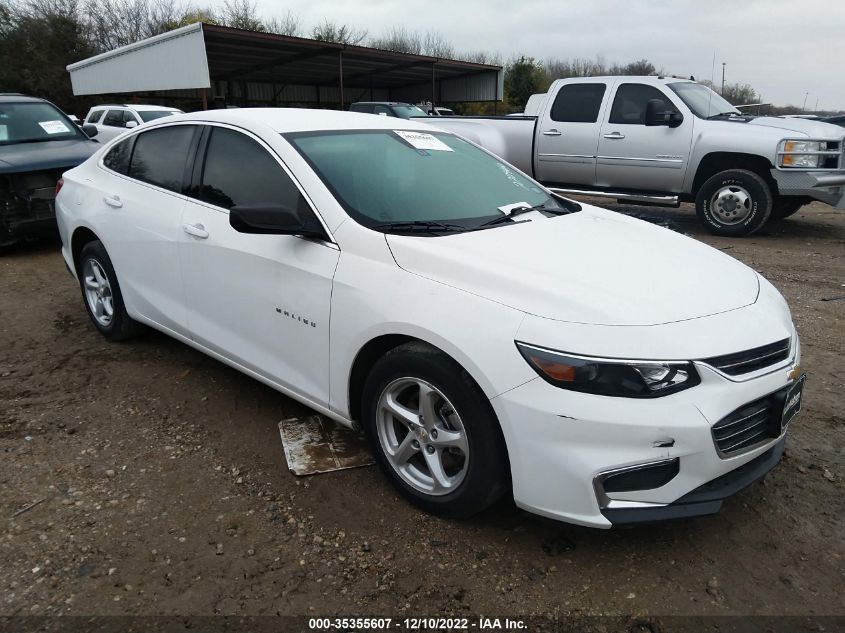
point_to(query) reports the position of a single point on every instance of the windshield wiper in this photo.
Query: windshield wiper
(420, 226)
(503, 219)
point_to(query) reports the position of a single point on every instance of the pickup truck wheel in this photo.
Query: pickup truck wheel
(433, 432)
(101, 294)
(734, 202)
(784, 207)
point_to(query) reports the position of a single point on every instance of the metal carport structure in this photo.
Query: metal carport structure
(223, 65)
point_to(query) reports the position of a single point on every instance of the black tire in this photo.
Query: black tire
(121, 326)
(784, 207)
(486, 472)
(747, 191)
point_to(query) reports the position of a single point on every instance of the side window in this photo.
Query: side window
(160, 155)
(114, 118)
(630, 101)
(239, 171)
(362, 107)
(117, 158)
(127, 117)
(380, 109)
(94, 116)
(578, 103)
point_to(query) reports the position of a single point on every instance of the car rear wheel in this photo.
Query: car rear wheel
(433, 432)
(734, 203)
(102, 296)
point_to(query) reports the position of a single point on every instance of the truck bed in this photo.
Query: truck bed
(509, 137)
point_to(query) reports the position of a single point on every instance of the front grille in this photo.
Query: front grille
(750, 360)
(750, 425)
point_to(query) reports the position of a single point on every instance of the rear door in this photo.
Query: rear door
(141, 202)
(260, 300)
(111, 125)
(634, 156)
(568, 134)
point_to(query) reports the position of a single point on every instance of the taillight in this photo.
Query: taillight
(59, 183)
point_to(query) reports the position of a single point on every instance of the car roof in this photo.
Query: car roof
(16, 97)
(283, 120)
(140, 107)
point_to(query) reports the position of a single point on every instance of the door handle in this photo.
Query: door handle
(197, 230)
(113, 201)
(614, 135)
(551, 132)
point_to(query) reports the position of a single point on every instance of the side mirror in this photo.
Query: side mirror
(131, 124)
(90, 130)
(657, 114)
(274, 219)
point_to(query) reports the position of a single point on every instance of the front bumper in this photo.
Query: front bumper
(562, 443)
(825, 186)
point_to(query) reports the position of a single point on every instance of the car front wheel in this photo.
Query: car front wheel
(102, 296)
(433, 432)
(734, 203)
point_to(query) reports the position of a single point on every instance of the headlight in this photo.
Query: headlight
(621, 378)
(793, 154)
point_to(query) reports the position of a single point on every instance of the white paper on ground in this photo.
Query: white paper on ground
(315, 444)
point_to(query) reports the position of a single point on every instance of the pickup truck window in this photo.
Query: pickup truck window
(630, 102)
(379, 178)
(703, 102)
(578, 103)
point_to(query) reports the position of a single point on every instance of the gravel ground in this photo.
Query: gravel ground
(155, 483)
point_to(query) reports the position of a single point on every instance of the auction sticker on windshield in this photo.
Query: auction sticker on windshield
(421, 140)
(53, 127)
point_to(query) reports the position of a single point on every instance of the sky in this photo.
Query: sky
(785, 49)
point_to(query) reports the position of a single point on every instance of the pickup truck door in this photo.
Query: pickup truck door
(633, 156)
(568, 133)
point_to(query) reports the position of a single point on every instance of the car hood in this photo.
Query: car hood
(593, 266)
(47, 155)
(807, 127)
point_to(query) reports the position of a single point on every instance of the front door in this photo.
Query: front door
(635, 156)
(262, 301)
(568, 134)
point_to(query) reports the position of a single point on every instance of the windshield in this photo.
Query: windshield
(408, 111)
(396, 176)
(152, 115)
(34, 122)
(701, 100)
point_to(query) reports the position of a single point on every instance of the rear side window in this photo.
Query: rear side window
(114, 118)
(95, 116)
(117, 158)
(239, 171)
(578, 103)
(159, 156)
(630, 101)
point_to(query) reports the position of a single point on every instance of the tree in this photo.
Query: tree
(241, 14)
(523, 77)
(288, 24)
(327, 31)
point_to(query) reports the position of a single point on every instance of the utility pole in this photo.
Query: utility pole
(816, 109)
(804, 107)
(723, 78)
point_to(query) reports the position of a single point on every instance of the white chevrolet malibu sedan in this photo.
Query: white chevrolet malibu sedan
(489, 336)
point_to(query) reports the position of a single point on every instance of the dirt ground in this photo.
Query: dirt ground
(160, 486)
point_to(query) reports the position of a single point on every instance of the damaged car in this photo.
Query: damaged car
(37, 143)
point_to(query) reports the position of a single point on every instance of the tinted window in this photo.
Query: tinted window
(95, 116)
(35, 122)
(152, 115)
(630, 101)
(578, 103)
(239, 171)
(380, 109)
(159, 156)
(362, 107)
(117, 158)
(114, 118)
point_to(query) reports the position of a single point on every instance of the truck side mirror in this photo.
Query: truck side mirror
(657, 114)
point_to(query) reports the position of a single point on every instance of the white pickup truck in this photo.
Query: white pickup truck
(663, 140)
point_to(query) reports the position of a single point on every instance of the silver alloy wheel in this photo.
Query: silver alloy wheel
(98, 292)
(422, 436)
(731, 204)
